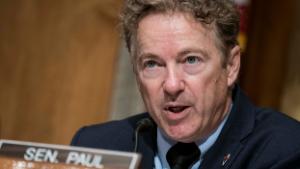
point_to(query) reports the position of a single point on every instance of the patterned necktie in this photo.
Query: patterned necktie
(183, 155)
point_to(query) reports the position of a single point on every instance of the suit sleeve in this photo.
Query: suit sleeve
(76, 138)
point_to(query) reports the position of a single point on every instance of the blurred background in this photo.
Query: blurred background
(63, 64)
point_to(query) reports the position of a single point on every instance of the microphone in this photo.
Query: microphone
(143, 124)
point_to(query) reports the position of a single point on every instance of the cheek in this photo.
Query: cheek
(149, 90)
(201, 86)
(152, 100)
(221, 84)
(208, 91)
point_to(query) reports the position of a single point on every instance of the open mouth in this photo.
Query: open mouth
(176, 109)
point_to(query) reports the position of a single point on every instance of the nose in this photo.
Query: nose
(173, 84)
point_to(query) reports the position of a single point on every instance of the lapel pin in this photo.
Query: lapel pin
(225, 159)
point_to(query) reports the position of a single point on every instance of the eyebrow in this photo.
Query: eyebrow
(193, 50)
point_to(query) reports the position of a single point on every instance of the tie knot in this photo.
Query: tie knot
(183, 155)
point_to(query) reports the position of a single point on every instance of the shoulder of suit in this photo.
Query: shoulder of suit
(117, 134)
(276, 120)
(115, 126)
(278, 127)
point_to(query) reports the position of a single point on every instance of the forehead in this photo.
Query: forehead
(170, 22)
(173, 20)
(161, 28)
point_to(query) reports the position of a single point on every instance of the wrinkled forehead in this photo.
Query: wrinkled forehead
(171, 22)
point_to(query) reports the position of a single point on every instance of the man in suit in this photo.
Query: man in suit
(186, 60)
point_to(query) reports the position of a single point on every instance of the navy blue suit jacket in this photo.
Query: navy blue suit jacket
(252, 138)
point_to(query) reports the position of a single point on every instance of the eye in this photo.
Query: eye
(192, 59)
(150, 64)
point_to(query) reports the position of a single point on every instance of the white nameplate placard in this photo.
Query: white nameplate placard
(30, 155)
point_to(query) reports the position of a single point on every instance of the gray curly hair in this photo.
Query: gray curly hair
(221, 14)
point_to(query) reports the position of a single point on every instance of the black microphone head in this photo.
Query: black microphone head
(145, 123)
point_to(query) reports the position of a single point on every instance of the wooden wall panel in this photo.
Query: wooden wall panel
(57, 60)
(290, 102)
(265, 60)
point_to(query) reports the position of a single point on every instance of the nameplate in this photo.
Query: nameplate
(24, 155)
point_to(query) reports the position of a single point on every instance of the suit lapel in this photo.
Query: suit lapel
(230, 142)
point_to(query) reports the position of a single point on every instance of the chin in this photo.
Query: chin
(181, 137)
(184, 139)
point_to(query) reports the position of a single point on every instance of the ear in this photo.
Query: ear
(233, 65)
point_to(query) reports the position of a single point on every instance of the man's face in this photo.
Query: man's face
(181, 77)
